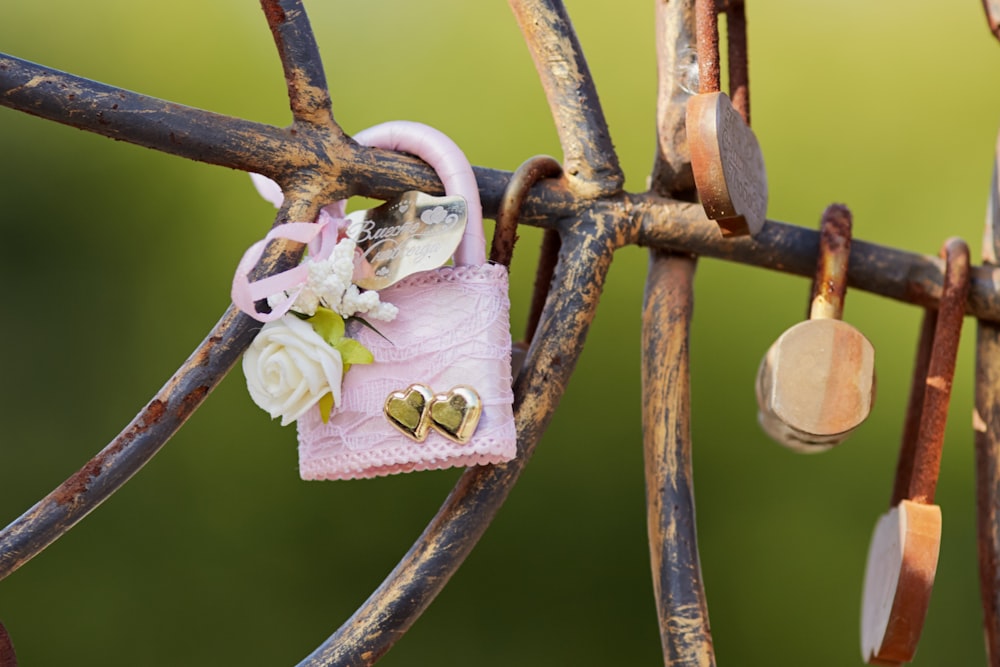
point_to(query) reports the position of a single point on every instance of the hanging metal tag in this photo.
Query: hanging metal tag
(415, 232)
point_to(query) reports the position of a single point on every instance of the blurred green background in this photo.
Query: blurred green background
(116, 260)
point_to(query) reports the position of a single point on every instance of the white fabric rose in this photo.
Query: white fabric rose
(289, 368)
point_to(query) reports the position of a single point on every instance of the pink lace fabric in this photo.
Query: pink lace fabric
(453, 328)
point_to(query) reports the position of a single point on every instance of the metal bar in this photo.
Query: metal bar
(308, 94)
(658, 222)
(830, 282)
(414, 583)
(589, 157)
(940, 373)
(104, 474)
(707, 26)
(987, 437)
(138, 119)
(914, 408)
(670, 515)
(548, 256)
(986, 425)
(676, 77)
(54, 515)
(739, 69)
(896, 274)
(524, 178)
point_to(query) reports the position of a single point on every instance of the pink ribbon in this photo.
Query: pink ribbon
(245, 294)
(432, 146)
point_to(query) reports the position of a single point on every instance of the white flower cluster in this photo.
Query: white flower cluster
(330, 286)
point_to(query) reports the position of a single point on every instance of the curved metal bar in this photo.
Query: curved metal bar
(139, 119)
(524, 178)
(425, 569)
(986, 423)
(589, 158)
(666, 390)
(145, 435)
(308, 94)
(104, 474)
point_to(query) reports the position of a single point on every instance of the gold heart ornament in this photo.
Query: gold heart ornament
(455, 414)
(407, 411)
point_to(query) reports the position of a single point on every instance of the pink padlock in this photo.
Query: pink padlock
(438, 394)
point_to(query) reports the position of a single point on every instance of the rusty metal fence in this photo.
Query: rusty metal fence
(587, 216)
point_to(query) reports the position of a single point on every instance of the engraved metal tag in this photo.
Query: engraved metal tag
(415, 232)
(728, 165)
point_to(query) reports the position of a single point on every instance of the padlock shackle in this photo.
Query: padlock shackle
(707, 47)
(829, 286)
(706, 14)
(930, 394)
(521, 181)
(452, 167)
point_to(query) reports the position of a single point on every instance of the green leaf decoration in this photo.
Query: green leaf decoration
(352, 352)
(326, 407)
(328, 324)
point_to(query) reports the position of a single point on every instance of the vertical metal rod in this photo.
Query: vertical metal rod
(670, 508)
(739, 69)
(829, 287)
(987, 437)
(940, 372)
(986, 423)
(914, 406)
(707, 28)
(547, 259)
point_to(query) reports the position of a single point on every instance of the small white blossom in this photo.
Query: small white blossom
(329, 285)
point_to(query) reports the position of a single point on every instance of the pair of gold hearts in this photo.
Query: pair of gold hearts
(415, 410)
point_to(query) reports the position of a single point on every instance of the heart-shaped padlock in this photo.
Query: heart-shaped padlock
(903, 554)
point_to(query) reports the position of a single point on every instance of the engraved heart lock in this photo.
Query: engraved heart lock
(726, 158)
(903, 554)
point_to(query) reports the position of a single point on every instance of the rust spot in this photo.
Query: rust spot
(192, 400)
(76, 485)
(69, 491)
(153, 412)
(274, 13)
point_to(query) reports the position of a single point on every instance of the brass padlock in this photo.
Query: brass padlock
(903, 554)
(816, 383)
(726, 159)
